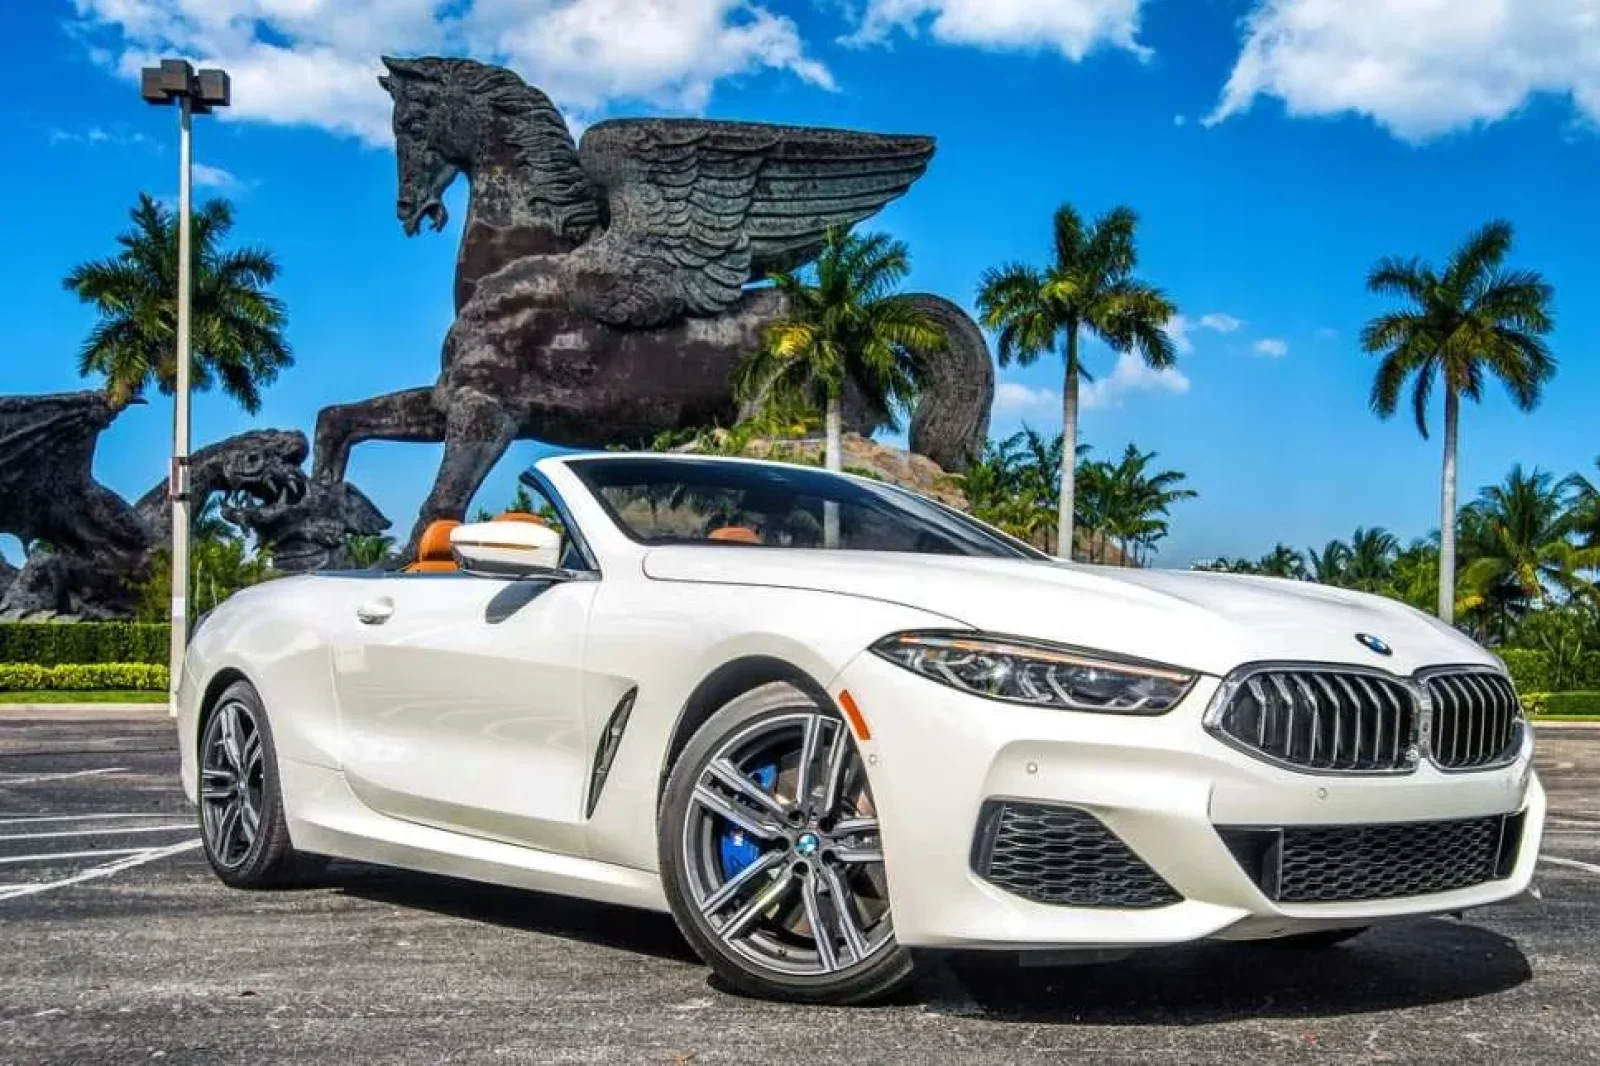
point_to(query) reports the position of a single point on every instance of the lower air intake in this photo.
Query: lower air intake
(1064, 856)
(1344, 864)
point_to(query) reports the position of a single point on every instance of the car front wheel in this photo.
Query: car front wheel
(242, 827)
(771, 854)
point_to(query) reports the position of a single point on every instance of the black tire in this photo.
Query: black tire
(1321, 940)
(264, 858)
(877, 972)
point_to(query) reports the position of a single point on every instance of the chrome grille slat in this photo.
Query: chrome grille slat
(1260, 696)
(1329, 720)
(1477, 721)
(1350, 720)
(1301, 685)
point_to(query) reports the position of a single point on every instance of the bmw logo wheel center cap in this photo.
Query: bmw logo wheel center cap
(806, 844)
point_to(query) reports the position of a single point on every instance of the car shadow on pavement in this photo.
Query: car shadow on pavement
(623, 928)
(1392, 967)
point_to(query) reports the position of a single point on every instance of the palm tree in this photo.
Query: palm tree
(1583, 508)
(365, 552)
(846, 324)
(1138, 503)
(1090, 286)
(1283, 561)
(1224, 565)
(1329, 566)
(1472, 320)
(237, 332)
(1094, 500)
(1515, 534)
(1370, 566)
(1415, 574)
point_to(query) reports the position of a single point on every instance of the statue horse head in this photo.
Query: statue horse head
(457, 116)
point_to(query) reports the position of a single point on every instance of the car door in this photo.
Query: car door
(461, 703)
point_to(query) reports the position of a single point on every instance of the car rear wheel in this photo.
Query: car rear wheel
(771, 854)
(242, 826)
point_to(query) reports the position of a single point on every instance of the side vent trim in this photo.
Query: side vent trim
(606, 750)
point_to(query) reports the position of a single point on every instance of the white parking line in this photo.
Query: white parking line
(46, 856)
(114, 867)
(81, 817)
(1574, 864)
(113, 831)
(37, 778)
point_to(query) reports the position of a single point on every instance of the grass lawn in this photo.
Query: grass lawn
(109, 696)
(1557, 719)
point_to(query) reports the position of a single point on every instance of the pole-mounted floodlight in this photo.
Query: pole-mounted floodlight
(195, 92)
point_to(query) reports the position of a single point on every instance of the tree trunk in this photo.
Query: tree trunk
(1069, 446)
(1447, 509)
(833, 458)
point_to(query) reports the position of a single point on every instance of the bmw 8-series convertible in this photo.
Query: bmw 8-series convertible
(826, 722)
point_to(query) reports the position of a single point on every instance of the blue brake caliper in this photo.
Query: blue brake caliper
(735, 848)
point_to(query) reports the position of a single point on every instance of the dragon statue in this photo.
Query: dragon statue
(603, 288)
(90, 545)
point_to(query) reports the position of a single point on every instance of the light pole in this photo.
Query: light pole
(195, 93)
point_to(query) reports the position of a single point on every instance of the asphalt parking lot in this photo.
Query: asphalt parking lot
(116, 945)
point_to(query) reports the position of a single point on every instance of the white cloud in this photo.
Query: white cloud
(313, 62)
(1420, 68)
(95, 136)
(209, 177)
(1072, 27)
(1128, 376)
(1220, 323)
(1272, 348)
(1014, 399)
(1181, 327)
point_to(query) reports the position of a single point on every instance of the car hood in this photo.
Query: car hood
(1202, 621)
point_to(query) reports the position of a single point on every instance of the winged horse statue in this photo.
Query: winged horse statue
(603, 289)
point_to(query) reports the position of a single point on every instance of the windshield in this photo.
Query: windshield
(690, 501)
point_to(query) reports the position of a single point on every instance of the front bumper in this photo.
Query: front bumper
(1163, 785)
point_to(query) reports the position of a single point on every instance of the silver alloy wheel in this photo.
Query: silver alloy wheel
(232, 776)
(813, 900)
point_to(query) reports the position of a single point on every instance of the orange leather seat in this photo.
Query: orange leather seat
(519, 516)
(433, 554)
(735, 535)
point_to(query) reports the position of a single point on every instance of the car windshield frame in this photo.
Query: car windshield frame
(967, 536)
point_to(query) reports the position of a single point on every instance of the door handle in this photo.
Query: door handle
(376, 612)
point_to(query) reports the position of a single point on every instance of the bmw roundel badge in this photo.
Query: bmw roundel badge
(1372, 643)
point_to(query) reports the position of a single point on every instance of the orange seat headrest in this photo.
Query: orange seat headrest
(435, 545)
(519, 516)
(735, 535)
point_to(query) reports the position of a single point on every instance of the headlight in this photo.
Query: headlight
(1004, 668)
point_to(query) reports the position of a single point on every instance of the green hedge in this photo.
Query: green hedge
(1533, 670)
(1562, 704)
(58, 643)
(28, 677)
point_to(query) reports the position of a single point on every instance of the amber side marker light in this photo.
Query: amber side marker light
(852, 714)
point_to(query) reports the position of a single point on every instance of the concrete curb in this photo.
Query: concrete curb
(85, 712)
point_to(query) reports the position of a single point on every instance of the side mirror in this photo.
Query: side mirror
(507, 549)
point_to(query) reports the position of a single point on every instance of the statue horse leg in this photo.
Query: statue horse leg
(408, 415)
(478, 432)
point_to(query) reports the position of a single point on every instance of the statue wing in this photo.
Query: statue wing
(700, 208)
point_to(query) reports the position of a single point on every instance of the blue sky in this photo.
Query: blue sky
(1273, 149)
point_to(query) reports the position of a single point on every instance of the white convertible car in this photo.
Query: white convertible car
(826, 722)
